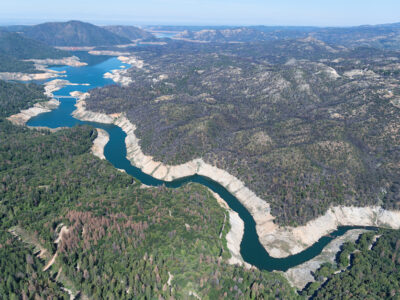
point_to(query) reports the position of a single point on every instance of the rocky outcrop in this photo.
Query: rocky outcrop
(301, 275)
(99, 143)
(277, 240)
(132, 60)
(25, 115)
(121, 76)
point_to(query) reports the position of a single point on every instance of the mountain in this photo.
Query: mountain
(129, 32)
(17, 46)
(14, 48)
(73, 33)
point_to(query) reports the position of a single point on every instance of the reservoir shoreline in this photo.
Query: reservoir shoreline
(253, 213)
(279, 241)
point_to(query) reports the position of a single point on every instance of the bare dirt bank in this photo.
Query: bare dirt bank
(71, 61)
(42, 65)
(25, 115)
(28, 77)
(235, 234)
(99, 143)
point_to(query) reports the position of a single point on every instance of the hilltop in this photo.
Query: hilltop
(73, 33)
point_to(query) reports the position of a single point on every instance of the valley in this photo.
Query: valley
(312, 149)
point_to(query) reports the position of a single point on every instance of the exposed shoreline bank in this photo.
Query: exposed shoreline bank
(99, 143)
(301, 275)
(277, 240)
(120, 76)
(235, 235)
(42, 65)
(25, 115)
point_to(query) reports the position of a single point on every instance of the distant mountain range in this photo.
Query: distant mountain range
(242, 34)
(385, 36)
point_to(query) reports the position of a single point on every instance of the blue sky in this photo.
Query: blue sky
(204, 12)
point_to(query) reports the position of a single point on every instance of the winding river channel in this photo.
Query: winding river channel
(115, 152)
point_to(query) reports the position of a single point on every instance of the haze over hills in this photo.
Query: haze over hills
(385, 36)
(242, 34)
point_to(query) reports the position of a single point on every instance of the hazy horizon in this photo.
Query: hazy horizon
(339, 13)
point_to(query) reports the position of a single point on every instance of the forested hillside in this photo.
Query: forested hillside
(120, 240)
(367, 269)
(17, 96)
(20, 47)
(73, 33)
(304, 124)
(14, 48)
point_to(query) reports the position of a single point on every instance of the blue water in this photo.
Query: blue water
(92, 75)
(115, 152)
